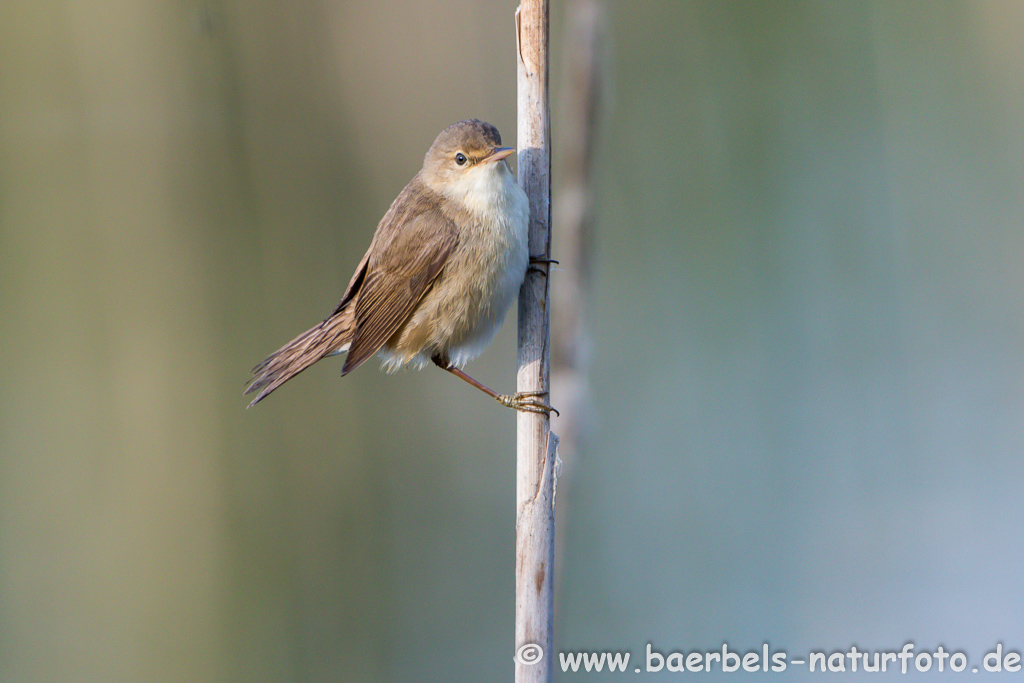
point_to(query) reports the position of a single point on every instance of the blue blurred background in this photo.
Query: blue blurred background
(807, 331)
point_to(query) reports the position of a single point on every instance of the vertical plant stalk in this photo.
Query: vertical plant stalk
(536, 446)
(573, 224)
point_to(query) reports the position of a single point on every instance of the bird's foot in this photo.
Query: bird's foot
(527, 402)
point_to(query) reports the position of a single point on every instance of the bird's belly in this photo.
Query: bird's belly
(466, 305)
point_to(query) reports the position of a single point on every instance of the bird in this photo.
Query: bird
(441, 271)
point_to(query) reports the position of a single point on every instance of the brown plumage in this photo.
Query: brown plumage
(444, 264)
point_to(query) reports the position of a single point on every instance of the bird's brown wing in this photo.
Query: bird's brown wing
(409, 254)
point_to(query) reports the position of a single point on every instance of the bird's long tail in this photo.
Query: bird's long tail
(329, 337)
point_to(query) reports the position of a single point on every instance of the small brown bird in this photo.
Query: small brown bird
(444, 264)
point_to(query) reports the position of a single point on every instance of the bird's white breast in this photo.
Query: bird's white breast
(497, 243)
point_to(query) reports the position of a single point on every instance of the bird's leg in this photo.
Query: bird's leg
(540, 259)
(525, 401)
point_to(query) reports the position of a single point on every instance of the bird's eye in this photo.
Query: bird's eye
(460, 159)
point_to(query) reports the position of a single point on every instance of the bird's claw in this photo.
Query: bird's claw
(527, 402)
(540, 259)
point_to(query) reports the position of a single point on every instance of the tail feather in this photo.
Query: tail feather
(329, 337)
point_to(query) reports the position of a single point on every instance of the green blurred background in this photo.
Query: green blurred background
(807, 339)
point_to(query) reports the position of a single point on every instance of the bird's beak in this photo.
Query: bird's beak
(499, 153)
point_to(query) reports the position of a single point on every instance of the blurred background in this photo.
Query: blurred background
(806, 338)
